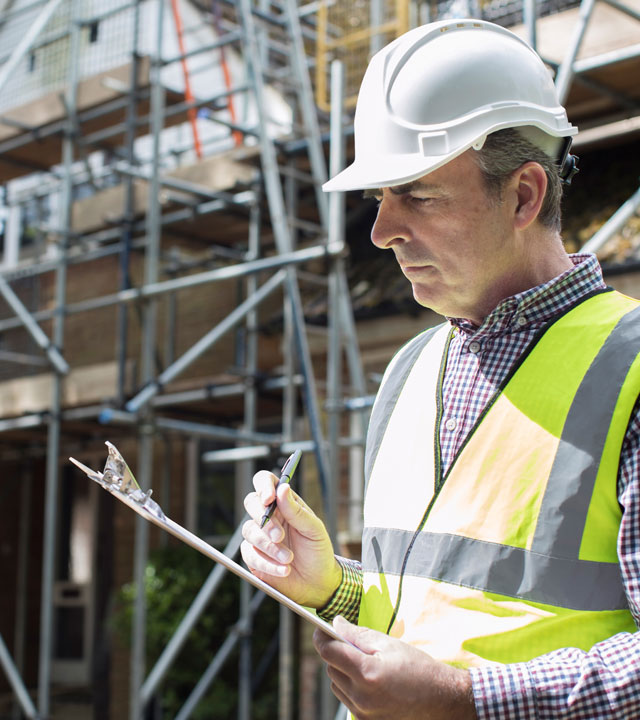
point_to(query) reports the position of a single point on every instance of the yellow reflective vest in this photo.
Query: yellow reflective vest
(513, 552)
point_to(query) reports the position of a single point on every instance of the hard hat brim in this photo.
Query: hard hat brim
(386, 171)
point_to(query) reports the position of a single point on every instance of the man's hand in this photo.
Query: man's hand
(293, 551)
(386, 678)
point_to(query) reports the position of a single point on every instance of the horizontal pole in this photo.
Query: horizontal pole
(22, 358)
(175, 183)
(210, 276)
(224, 40)
(623, 8)
(222, 391)
(256, 451)
(234, 454)
(605, 59)
(194, 429)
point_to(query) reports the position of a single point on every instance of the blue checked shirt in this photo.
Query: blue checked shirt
(567, 683)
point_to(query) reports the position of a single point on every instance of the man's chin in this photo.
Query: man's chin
(426, 298)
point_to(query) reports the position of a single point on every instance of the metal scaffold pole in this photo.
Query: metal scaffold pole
(112, 130)
(149, 337)
(129, 207)
(282, 236)
(54, 432)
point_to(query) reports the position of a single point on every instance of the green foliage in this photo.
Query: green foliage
(173, 577)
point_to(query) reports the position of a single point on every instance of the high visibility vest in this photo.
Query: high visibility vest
(513, 552)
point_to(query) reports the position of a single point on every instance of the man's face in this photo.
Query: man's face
(454, 243)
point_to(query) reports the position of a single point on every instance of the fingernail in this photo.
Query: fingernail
(283, 555)
(274, 534)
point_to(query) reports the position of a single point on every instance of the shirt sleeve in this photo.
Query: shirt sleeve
(602, 683)
(345, 600)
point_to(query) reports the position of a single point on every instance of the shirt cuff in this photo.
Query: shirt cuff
(504, 692)
(345, 600)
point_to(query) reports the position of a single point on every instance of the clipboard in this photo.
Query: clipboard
(118, 479)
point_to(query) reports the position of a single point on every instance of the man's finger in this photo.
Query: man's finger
(267, 540)
(262, 565)
(256, 509)
(368, 640)
(264, 483)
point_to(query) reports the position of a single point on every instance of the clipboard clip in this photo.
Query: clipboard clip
(118, 479)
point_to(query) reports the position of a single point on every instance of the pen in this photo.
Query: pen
(285, 476)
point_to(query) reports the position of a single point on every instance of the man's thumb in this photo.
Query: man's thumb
(368, 640)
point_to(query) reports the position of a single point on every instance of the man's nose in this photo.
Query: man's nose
(388, 228)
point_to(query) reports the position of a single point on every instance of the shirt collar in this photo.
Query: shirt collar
(539, 304)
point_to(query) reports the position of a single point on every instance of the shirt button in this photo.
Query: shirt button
(521, 320)
(451, 424)
(474, 347)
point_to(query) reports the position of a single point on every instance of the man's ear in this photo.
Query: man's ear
(530, 186)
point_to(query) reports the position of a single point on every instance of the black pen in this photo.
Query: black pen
(285, 476)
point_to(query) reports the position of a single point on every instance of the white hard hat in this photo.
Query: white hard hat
(440, 89)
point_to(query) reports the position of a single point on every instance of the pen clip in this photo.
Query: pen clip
(290, 466)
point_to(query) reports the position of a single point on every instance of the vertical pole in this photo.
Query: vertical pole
(244, 661)
(342, 323)
(307, 108)
(334, 354)
(53, 438)
(289, 418)
(285, 665)
(282, 237)
(376, 19)
(125, 281)
(145, 454)
(246, 468)
(565, 71)
(530, 12)
(23, 570)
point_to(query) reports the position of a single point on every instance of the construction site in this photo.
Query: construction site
(174, 281)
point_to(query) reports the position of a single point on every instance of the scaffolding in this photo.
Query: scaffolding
(282, 230)
(238, 213)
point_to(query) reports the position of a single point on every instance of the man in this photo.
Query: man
(501, 550)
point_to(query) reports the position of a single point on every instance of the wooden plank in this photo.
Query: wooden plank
(84, 385)
(608, 30)
(216, 173)
(39, 151)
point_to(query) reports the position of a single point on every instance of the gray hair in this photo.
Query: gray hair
(505, 151)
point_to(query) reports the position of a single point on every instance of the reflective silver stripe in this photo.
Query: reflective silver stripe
(500, 569)
(388, 396)
(563, 512)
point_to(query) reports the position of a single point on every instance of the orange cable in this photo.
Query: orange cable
(236, 134)
(188, 95)
(226, 74)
